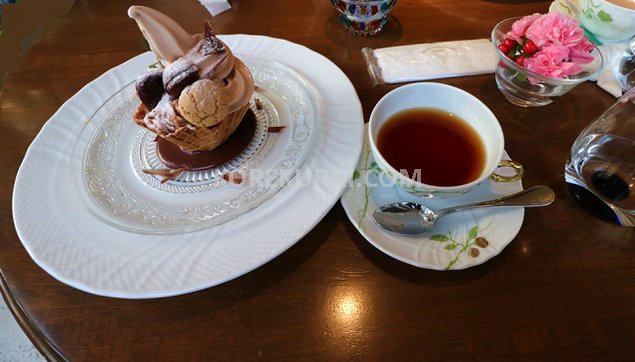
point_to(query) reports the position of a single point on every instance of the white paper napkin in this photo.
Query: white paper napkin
(433, 60)
(608, 78)
(216, 7)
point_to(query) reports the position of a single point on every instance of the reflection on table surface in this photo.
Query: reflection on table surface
(561, 289)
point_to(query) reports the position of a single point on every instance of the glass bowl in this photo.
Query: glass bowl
(513, 80)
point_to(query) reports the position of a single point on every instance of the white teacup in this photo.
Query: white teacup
(610, 21)
(454, 101)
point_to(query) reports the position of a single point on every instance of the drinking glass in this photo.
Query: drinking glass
(602, 160)
(626, 71)
(363, 17)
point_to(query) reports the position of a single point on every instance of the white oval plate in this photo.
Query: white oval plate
(76, 248)
(452, 243)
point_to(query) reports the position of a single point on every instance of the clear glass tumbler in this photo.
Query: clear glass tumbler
(626, 71)
(602, 160)
(363, 17)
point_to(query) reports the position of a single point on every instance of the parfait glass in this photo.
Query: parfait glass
(525, 88)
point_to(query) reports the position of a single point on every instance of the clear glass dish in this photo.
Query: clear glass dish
(111, 151)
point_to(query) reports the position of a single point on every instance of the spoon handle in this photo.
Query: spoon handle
(532, 197)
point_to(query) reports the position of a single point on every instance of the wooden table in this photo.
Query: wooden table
(564, 288)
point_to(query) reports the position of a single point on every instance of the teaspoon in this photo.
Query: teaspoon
(413, 218)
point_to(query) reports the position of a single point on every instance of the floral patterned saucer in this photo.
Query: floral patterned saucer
(458, 241)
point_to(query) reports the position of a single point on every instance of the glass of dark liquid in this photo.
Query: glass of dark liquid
(601, 168)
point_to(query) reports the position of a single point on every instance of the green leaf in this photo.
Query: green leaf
(450, 246)
(440, 238)
(356, 175)
(473, 233)
(373, 164)
(605, 17)
(521, 77)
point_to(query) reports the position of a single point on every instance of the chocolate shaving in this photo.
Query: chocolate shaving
(258, 104)
(236, 178)
(211, 44)
(275, 129)
(167, 174)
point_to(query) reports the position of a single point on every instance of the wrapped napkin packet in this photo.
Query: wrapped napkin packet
(609, 78)
(216, 7)
(430, 61)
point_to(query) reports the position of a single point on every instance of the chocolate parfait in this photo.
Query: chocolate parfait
(200, 97)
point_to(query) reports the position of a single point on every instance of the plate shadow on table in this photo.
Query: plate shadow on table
(421, 276)
(386, 37)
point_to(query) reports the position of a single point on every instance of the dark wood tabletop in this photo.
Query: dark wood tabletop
(564, 288)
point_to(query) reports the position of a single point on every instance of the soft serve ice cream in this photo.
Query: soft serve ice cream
(199, 99)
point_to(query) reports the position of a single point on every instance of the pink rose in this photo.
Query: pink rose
(553, 45)
(520, 27)
(551, 62)
(555, 28)
(581, 52)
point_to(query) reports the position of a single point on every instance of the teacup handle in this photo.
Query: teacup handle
(516, 166)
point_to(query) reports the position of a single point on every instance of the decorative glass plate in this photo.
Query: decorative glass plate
(144, 154)
(112, 151)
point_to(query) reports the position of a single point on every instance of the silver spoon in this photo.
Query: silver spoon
(412, 218)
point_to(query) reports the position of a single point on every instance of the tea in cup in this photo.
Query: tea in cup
(610, 21)
(433, 139)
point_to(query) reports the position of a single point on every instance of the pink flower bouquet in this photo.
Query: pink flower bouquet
(552, 45)
(541, 57)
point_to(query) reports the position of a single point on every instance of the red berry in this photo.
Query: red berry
(509, 43)
(504, 48)
(530, 47)
(520, 60)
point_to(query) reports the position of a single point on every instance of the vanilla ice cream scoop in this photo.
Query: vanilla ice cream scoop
(203, 103)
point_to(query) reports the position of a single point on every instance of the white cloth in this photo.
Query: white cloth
(216, 7)
(608, 78)
(435, 60)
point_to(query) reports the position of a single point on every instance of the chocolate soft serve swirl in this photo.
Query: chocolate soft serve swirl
(170, 42)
